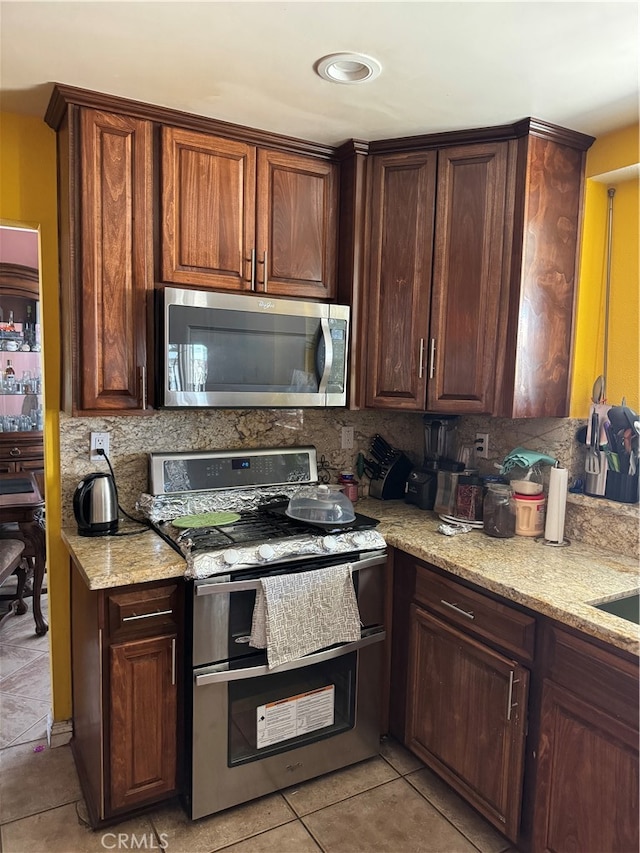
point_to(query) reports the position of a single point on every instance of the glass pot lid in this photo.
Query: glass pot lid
(321, 505)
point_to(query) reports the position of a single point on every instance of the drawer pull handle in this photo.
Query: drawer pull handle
(173, 661)
(15, 451)
(421, 359)
(147, 615)
(510, 703)
(467, 613)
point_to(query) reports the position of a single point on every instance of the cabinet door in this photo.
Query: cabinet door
(297, 222)
(466, 717)
(401, 241)
(467, 277)
(116, 251)
(208, 210)
(587, 780)
(143, 721)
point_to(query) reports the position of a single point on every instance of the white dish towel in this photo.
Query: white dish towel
(295, 615)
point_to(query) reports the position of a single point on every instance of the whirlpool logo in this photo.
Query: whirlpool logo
(266, 304)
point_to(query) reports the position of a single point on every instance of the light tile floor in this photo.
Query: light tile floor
(389, 804)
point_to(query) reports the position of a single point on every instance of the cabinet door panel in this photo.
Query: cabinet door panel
(401, 240)
(548, 281)
(143, 719)
(467, 276)
(208, 210)
(117, 259)
(587, 782)
(297, 220)
(467, 717)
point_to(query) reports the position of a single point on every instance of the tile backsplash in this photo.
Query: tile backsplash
(596, 521)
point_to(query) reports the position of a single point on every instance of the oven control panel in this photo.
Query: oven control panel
(171, 473)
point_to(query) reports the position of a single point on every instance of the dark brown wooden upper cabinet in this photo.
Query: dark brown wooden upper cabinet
(542, 233)
(297, 225)
(467, 277)
(401, 210)
(231, 226)
(106, 259)
(473, 314)
(208, 210)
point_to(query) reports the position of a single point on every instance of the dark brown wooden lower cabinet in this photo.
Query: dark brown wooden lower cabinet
(126, 647)
(143, 709)
(586, 787)
(467, 717)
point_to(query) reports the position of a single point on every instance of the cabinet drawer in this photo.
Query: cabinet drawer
(147, 611)
(477, 613)
(600, 677)
(16, 452)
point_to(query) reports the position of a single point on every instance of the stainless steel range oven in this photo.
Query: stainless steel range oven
(254, 729)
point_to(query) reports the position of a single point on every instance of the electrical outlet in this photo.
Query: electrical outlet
(347, 438)
(99, 441)
(482, 445)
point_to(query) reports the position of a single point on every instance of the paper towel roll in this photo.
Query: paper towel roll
(556, 505)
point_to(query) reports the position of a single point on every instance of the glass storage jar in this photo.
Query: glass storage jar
(499, 514)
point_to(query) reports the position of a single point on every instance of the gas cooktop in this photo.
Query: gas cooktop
(263, 535)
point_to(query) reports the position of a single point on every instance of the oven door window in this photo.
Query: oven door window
(273, 713)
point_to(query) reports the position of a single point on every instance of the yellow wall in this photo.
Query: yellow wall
(28, 195)
(611, 152)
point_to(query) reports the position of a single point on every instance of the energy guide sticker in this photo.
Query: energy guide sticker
(297, 715)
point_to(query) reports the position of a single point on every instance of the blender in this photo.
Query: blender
(439, 461)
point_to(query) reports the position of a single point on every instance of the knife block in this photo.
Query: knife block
(390, 484)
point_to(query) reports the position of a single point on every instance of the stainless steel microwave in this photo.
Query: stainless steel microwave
(235, 350)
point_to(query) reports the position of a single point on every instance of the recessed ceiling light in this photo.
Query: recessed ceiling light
(348, 68)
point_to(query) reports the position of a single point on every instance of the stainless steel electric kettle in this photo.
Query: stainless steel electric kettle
(95, 505)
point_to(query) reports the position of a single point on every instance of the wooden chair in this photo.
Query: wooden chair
(10, 561)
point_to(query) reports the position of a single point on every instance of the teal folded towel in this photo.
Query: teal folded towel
(525, 459)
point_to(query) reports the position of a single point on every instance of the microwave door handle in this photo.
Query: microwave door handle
(375, 635)
(325, 347)
(243, 586)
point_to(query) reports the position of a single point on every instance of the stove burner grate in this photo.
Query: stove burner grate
(262, 525)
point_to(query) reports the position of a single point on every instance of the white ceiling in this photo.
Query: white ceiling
(446, 65)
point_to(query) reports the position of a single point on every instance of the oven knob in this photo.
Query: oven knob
(266, 552)
(359, 539)
(329, 543)
(231, 556)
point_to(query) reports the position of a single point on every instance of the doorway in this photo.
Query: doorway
(25, 682)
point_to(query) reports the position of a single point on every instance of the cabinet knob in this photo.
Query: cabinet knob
(15, 451)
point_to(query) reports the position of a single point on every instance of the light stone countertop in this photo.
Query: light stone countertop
(110, 561)
(557, 582)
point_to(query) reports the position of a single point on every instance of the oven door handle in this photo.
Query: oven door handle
(241, 586)
(217, 676)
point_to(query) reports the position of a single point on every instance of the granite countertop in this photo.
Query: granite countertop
(557, 582)
(110, 561)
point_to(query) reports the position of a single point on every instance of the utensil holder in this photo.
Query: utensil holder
(622, 487)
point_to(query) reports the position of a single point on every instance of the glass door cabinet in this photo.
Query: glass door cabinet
(21, 403)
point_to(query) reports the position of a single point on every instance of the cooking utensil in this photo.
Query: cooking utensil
(598, 392)
(592, 462)
(622, 417)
